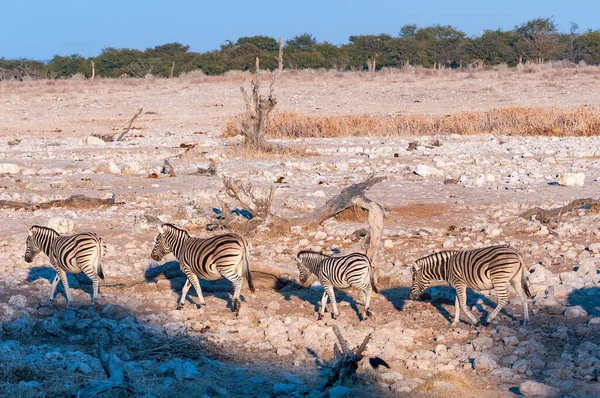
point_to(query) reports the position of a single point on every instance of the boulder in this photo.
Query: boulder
(575, 312)
(534, 389)
(484, 362)
(9, 168)
(90, 140)
(61, 225)
(571, 179)
(427, 171)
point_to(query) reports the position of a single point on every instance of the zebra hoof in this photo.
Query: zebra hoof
(179, 306)
(318, 316)
(368, 313)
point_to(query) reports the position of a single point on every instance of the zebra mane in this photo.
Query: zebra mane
(39, 228)
(434, 257)
(169, 226)
(311, 253)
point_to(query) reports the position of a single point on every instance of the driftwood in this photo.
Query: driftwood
(117, 377)
(345, 360)
(259, 205)
(258, 107)
(120, 138)
(549, 215)
(75, 201)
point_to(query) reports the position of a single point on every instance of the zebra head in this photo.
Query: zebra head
(304, 261)
(169, 239)
(32, 248)
(419, 283)
(38, 239)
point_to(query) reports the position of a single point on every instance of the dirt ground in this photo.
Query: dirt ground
(53, 118)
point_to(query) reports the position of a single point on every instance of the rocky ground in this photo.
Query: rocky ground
(276, 347)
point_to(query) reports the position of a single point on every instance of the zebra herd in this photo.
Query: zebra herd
(227, 256)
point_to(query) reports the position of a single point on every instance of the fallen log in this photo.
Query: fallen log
(75, 201)
(117, 377)
(345, 361)
(548, 215)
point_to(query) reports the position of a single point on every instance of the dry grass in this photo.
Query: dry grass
(520, 121)
(353, 214)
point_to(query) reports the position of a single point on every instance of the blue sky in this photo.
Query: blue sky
(40, 29)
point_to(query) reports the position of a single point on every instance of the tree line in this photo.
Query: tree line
(538, 40)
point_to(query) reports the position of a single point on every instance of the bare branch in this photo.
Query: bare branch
(129, 126)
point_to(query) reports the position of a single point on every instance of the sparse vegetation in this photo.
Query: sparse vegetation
(522, 121)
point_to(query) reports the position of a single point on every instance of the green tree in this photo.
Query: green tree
(263, 43)
(587, 47)
(303, 42)
(539, 40)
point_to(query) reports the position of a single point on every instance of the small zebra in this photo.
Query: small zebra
(352, 270)
(75, 253)
(222, 256)
(487, 268)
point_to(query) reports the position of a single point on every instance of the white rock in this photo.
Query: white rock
(484, 362)
(571, 179)
(427, 171)
(388, 244)
(108, 168)
(575, 312)
(391, 377)
(90, 140)
(9, 168)
(130, 168)
(320, 235)
(534, 389)
(588, 266)
(61, 225)
(59, 184)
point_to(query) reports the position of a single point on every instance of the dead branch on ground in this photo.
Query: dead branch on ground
(116, 373)
(345, 360)
(258, 107)
(75, 201)
(129, 126)
(546, 216)
(257, 203)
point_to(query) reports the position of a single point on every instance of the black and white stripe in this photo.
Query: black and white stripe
(75, 253)
(352, 270)
(222, 256)
(494, 267)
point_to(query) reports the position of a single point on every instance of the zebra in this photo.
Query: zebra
(75, 253)
(221, 256)
(493, 267)
(352, 270)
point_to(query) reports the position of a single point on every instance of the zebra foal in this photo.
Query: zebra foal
(494, 267)
(75, 254)
(221, 256)
(353, 270)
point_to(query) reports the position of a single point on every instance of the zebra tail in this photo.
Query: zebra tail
(102, 253)
(247, 270)
(373, 280)
(524, 285)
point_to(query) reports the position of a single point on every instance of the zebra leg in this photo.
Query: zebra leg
(331, 294)
(95, 282)
(457, 312)
(367, 292)
(184, 292)
(63, 277)
(237, 289)
(323, 304)
(516, 284)
(193, 278)
(502, 292)
(54, 284)
(461, 293)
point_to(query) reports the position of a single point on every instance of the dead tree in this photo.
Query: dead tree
(546, 216)
(117, 377)
(259, 205)
(93, 70)
(345, 362)
(258, 107)
(120, 138)
(172, 69)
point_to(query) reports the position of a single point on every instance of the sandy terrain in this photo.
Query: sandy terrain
(275, 347)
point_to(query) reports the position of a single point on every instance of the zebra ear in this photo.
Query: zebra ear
(160, 229)
(30, 232)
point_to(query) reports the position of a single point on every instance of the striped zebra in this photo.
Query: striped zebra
(222, 256)
(487, 268)
(75, 253)
(352, 270)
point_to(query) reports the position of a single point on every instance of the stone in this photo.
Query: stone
(571, 179)
(52, 326)
(18, 301)
(284, 388)
(484, 362)
(108, 168)
(391, 377)
(482, 342)
(534, 389)
(180, 369)
(427, 171)
(339, 392)
(521, 366)
(130, 168)
(320, 235)
(283, 352)
(90, 140)
(9, 168)
(63, 226)
(443, 385)
(588, 266)
(575, 312)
